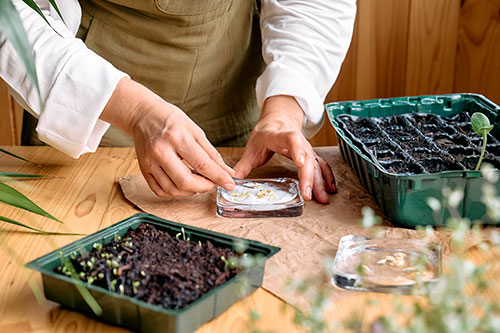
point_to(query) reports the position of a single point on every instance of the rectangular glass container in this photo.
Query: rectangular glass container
(271, 197)
(388, 265)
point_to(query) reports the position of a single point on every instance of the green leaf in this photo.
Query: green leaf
(37, 9)
(16, 156)
(13, 197)
(54, 4)
(6, 219)
(19, 175)
(480, 124)
(13, 29)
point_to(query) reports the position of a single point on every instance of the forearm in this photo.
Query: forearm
(75, 83)
(304, 45)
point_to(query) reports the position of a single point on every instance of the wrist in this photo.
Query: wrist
(126, 105)
(283, 106)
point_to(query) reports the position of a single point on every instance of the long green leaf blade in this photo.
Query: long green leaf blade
(9, 174)
(13, 29)
(13, 197)
(54, 4)
(37, 9)
(6, 219)
(16, 156)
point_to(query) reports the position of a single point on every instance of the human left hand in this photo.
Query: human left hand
(279, 130)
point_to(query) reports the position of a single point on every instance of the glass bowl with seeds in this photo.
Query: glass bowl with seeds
(271, 197)
(387, 265)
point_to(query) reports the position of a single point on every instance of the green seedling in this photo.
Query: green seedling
(143, 273)
(100, 276)
(199, 244)
(112, 284)
(481, 125)
(115, 271)
(135, 284)
(226, 262)
(97, 246)
(121, 288)
(183, 233)
(117, 238)
(115, 263)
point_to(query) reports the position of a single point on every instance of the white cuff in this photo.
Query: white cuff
(70, 121)
(279, 79)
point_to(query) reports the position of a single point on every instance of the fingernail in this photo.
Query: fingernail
(308, 192)
(229, 186)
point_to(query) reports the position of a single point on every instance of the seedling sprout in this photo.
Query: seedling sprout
(481, 125)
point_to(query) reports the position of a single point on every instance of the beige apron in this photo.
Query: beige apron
(201, 55)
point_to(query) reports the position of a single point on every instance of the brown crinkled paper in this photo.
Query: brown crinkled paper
(305, 241)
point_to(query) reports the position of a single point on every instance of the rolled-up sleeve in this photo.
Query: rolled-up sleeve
(75, 83)
(304, 45)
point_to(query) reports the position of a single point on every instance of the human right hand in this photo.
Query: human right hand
(164, 136)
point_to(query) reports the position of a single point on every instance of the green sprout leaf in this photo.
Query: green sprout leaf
(481, 125)
(13, 197)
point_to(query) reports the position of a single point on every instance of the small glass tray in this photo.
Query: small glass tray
(386, 265)
(272, 197)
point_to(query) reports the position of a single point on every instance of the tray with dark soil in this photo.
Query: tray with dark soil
(418, 143)
(415, 147)
(149, 274)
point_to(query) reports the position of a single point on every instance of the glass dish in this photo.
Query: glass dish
(386, 265)
(272, 197)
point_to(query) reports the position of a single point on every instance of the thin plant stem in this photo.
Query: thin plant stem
(485, 138)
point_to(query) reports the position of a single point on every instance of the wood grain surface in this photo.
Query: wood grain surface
(87, 198)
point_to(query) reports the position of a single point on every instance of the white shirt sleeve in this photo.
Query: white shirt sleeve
(68, 72)
(304, 43)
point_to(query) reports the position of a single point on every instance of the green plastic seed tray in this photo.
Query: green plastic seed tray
(138, 315)
(407, 149)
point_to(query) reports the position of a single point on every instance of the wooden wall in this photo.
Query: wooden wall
(417, 47)
(399, 48)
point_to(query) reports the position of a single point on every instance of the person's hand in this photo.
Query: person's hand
(164, 136)
(279, 130)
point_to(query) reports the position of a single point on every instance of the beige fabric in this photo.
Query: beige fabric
(203, 56)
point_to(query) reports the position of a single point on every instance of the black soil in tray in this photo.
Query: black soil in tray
(155, 267)
(420, 143)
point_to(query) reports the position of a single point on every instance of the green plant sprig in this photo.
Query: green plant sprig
(481, 125)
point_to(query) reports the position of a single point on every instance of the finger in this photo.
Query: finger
(154, 186)
(252, 157)
(167, 185)
(214, 154)
(319, 187)
(198, 158)
(181, 175)
(327, 174)
(297, 147)
(306, 176)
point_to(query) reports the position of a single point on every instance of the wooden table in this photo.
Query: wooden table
(87, 198)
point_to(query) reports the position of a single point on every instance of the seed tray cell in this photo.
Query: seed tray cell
(441, 152)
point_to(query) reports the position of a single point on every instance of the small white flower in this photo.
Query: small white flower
(434, 204)
(489, 173)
